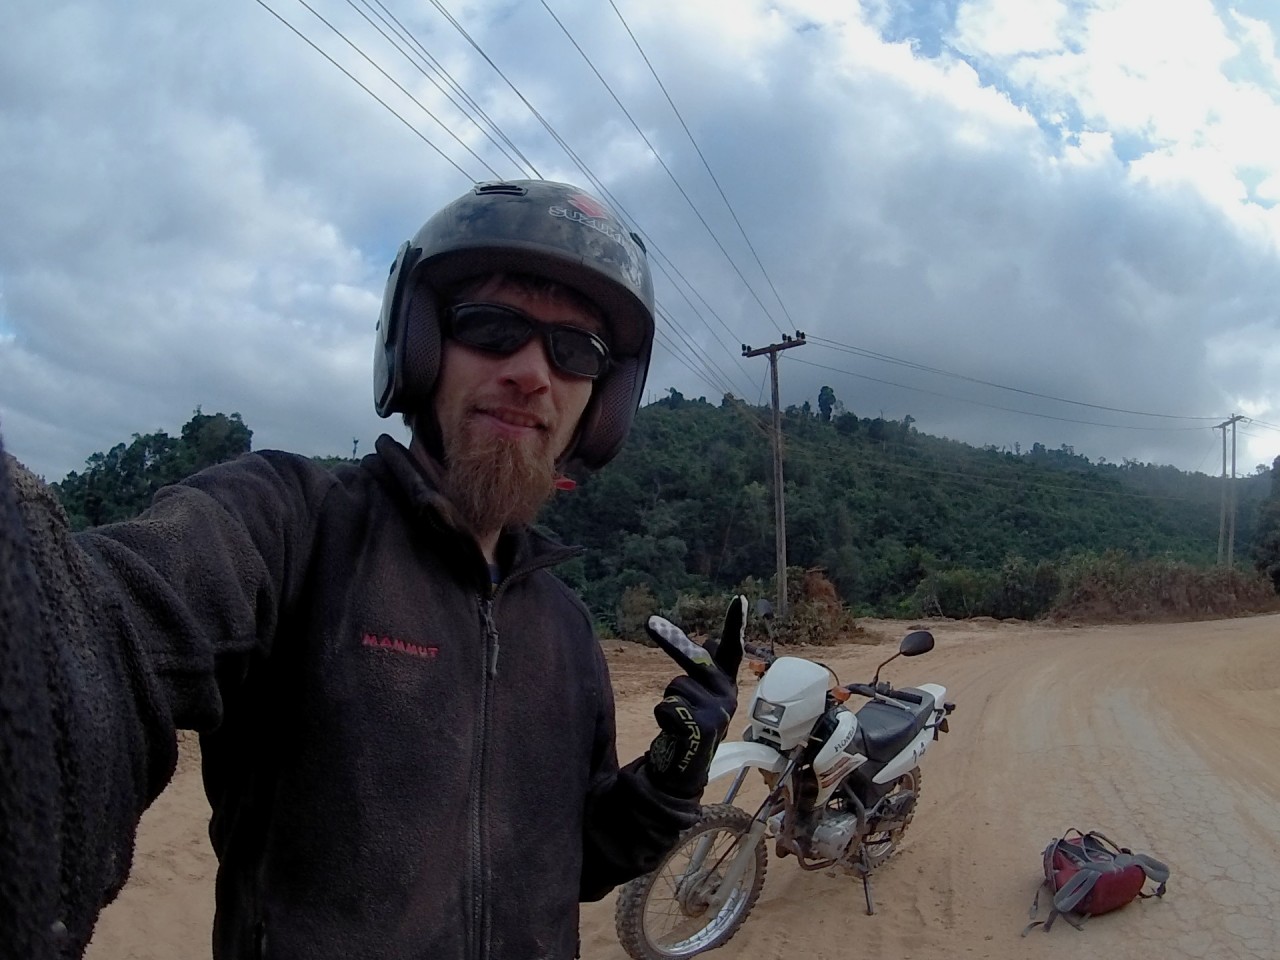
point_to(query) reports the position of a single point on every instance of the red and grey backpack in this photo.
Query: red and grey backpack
(1088, 874)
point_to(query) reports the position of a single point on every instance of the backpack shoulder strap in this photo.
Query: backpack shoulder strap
(1076, 888)
(1157, 871)
(1076, 881)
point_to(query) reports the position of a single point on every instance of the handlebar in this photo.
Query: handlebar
(883, 690)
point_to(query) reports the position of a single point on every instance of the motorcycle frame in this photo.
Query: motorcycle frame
(747, 755)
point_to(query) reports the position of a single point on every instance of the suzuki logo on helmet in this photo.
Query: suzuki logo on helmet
(600, 224)
(589, 205)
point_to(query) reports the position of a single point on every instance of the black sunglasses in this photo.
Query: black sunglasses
(500, 329)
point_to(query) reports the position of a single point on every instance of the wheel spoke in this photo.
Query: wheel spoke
(668, 914)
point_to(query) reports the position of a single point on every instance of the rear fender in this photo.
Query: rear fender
(732, 757)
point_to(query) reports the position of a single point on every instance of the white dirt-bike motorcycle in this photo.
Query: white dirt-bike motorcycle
(843, 787)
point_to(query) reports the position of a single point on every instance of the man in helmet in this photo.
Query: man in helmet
(407, 724)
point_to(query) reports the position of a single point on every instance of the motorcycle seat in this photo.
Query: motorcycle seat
(884, 729)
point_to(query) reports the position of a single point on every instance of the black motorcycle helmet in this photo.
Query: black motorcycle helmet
(551, 230)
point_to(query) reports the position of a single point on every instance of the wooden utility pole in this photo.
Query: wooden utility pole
(779, 500)
(1227, 530)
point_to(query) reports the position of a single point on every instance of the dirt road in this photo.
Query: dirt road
(1162, 736)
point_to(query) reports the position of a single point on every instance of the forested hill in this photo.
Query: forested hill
(880, 505)
(688, 505)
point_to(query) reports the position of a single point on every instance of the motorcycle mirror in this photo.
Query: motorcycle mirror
(915, 643)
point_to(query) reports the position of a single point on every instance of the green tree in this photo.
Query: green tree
(120, 483)
(1266, 551)
(213, 438)
(826, 401)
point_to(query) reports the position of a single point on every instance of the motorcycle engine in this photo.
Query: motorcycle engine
(832, 835)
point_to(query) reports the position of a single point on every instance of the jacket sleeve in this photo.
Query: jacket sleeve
(109, 641)
(206, 572)
(630, 824)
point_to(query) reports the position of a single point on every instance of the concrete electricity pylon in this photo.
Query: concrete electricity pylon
(779, 500)
(1227, 532)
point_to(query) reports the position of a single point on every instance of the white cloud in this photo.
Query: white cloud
(1072, 197)
(1005, 28)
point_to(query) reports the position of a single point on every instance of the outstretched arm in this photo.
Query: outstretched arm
(630, 822)
(109, 641)
(635, 815)
(85, 741)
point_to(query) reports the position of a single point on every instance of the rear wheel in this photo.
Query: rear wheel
(881, 846)
(667, 914)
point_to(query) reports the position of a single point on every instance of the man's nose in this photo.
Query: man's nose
(529, 368)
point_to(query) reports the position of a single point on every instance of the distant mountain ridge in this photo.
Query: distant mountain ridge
(880, 506)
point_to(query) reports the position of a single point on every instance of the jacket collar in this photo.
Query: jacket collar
(520, 547)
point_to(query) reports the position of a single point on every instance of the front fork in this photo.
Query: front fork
(746, 845)
(704, 845)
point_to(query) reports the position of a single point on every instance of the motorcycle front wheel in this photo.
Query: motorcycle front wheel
(667, 914)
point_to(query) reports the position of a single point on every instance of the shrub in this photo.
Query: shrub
(1110, 586)
(634, 609)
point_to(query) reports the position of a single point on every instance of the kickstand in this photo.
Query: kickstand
(864, 868)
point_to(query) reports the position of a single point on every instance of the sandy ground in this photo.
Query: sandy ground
(1162, 736)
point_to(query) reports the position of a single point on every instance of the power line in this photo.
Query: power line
(664, 340)
(416, 132)
(993, 406)
(818, 449)
(659, 258)
(726, 385)
(885, 358)
(663, 164)
(469, 108)
(440, 123)
(823, 453)
(1263, 423)
(581, 165)
(705, 164)
(696, 351)
(651, 244)
(1212, 446)
(463, 93)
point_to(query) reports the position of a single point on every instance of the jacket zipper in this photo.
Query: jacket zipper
(480, 885)
(479, 893)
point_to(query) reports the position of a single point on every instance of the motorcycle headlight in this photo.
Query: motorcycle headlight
(770, 713)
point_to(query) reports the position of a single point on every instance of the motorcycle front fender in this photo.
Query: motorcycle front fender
(732, 757)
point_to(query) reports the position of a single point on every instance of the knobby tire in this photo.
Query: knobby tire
(634, 898)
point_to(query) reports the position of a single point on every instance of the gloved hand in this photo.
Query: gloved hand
(695, 711)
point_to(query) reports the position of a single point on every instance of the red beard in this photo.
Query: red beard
(495, 482)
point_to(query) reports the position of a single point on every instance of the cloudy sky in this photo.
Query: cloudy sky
(977, 210)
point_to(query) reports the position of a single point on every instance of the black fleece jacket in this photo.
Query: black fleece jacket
(402, 760)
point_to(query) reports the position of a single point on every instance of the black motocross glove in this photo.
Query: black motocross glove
(695, 711)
